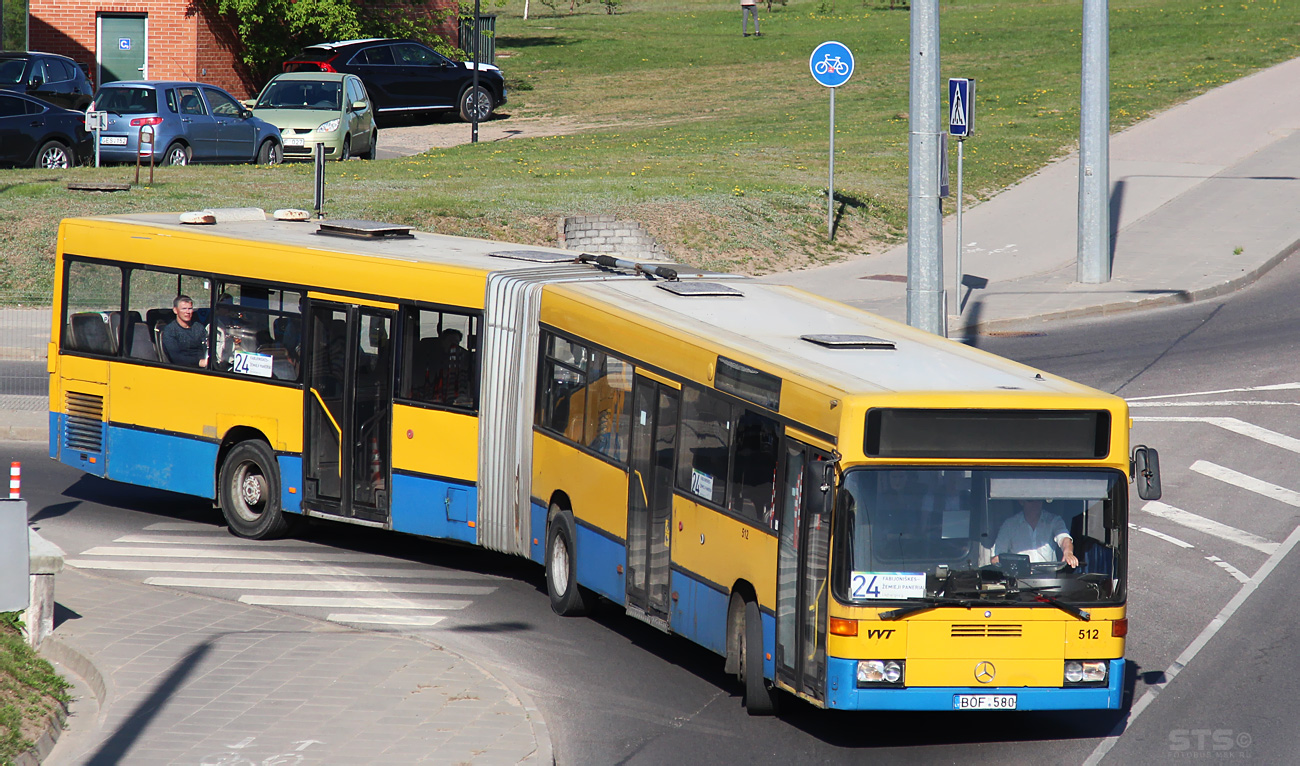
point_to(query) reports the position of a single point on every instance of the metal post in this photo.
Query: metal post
(830, 183)
(956, 303)
(318, 159)
(1094, 147)
(473, 110)
(925, 304)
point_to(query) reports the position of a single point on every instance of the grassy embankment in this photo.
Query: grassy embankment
(30, 691)
(718, 143)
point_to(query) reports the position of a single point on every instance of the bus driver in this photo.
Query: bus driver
(1031, 532)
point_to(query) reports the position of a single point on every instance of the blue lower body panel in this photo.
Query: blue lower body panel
(537, 547)
(601, 561)
(166, 461)
(290, 479)
(842, 693)
(700, 614)
(424, 505)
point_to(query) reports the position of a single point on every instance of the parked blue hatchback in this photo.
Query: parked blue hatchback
(192, 122)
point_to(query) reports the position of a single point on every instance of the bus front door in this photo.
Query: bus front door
(650, 500)
(803, 558)
(349, 376)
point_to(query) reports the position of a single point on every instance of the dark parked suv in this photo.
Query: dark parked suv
(405, 76)
(49, 77)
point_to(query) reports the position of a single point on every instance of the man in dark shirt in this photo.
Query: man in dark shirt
(184, 340)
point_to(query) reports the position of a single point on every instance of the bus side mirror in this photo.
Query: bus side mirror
(1146, 472)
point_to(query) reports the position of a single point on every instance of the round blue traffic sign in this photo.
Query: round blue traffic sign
(831, 64)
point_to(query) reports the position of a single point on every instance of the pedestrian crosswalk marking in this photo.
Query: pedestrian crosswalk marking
(248, 569)
(205, 553)
(1236, 573)
(1241, 427)
(224, 540)
(1162, 536)
(336, 586)
(408, 620)
(357, 602)
(1250, 483)
(1210, 526)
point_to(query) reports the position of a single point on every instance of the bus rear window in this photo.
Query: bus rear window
(988, 434)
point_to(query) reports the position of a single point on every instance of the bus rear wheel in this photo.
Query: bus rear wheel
(567, 598)
(250, 492)
(760, 698)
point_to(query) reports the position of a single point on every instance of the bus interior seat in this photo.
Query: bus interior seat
(158, 318)
(90, 332)
(162, 349)
(139, 341)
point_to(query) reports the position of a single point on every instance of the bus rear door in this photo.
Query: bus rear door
(650, 500)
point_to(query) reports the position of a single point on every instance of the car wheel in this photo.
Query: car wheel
(54, 154)
(479, 99)
(374, 142)
(177, 154)
(270, 153)
(347, 148)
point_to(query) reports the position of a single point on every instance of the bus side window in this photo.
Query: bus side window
(92, 306)
(753, 479)
(609, 385)
(705, 440)
(439, 358)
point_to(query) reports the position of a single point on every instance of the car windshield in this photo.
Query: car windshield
(992, 534)
(11, 71)
(127, 100)
(302, 94)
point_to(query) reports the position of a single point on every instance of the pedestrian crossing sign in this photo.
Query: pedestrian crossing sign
(961, 106)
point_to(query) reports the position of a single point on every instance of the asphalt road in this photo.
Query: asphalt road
(616, 691)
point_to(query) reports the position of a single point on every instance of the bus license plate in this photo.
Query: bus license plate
(984, 702)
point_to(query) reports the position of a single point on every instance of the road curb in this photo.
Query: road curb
(1159, 301)
(23, 433)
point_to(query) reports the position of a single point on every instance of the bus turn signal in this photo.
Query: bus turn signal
(842, 627)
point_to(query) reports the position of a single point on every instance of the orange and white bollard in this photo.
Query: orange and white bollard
(15, 480)
(376, 465)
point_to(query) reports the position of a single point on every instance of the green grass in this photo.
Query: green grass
(718, 143)
(30, 690)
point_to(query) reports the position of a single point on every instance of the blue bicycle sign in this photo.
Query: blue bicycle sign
(831, 64)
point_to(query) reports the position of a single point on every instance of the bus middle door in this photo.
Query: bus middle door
(650, 501)
(349, 398)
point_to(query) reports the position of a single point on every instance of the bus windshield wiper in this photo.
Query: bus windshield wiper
(1071, 609)
(923, 603)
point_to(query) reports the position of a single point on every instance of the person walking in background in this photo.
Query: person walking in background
(748, 10)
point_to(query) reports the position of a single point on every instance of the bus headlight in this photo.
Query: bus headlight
(1085, 671)
(880, 672)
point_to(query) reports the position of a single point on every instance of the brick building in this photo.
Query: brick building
(167, 39)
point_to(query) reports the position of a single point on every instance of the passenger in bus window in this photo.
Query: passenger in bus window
(453, 383)
(184, 340)
(1033, 532)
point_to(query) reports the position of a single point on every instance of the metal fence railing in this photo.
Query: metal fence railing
(487, 37)
(24, 338)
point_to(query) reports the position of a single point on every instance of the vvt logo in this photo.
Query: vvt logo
(880, 632)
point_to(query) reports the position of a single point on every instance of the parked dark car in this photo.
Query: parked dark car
(37, 134)
(192, 122)
(47, 76)
(406, 76)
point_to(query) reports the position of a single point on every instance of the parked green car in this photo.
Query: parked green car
(326, 108)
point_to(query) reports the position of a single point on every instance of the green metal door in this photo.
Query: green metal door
(123, 48)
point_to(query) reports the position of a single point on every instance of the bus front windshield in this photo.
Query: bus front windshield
(988, 535)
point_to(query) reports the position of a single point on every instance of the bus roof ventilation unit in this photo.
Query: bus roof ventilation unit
(700, 289)
(364, 230)
(848, 341)
(536, 256)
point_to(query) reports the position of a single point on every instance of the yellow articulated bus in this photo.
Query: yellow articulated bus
(845, 508)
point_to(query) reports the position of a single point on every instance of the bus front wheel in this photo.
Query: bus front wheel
(250, 492)
(760, 698)
(567, 598)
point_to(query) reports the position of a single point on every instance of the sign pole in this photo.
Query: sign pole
(831, 65)
(830, 184)
(961, 144)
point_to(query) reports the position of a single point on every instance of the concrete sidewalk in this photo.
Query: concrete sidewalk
(1205, 197)
(167, 678)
